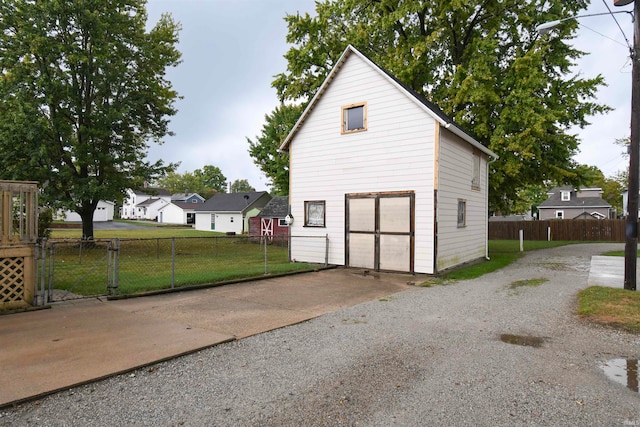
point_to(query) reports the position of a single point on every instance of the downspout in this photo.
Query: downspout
(486, 240)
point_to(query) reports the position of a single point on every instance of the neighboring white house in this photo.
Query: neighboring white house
(230, 212)
(181, 210)
(384, 174)
(104, 212)
(144, 203)
(178, 213)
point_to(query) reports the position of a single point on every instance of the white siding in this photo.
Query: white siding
(172, 214)
(395, 153)
(457, 245)
(203, 221)
(225, 222)
(104, 212)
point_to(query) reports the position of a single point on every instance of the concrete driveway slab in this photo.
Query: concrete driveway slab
(85, 340)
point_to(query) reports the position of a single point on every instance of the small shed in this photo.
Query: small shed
(271, 221)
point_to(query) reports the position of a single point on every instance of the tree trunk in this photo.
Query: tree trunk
(86, 214)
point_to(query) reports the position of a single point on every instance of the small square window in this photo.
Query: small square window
(314, 214)
(560, 214)
(282, 222)
(462, 213)
(354, 118)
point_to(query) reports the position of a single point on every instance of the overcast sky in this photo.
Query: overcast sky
(231, 49)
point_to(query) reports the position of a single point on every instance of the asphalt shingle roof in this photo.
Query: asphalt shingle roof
(230, 202)
(278, 207)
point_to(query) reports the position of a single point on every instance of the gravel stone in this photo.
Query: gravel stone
(424, 356)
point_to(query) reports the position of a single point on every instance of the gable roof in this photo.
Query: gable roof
(278, 207)
(418, 99)
(149, 202)
(230, 202)
(555, 200)
(151, 191)
(185, 206)
(181, 197)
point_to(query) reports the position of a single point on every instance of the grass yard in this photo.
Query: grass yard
(145, 263)
(617, 308)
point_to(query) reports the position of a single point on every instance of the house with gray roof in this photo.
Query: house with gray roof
(230, 212)
(566, 202)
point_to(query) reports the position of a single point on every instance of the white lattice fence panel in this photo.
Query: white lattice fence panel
(12, 280)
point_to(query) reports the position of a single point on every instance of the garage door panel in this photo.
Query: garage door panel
(362, 250)
(395, 252)
(395, 215)
(362, 214)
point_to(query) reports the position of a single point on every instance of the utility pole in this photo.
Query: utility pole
(631, 242)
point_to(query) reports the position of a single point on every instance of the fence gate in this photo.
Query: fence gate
(80, 268)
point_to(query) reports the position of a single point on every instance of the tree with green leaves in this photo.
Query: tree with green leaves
(82, 91)
(241, 186)
(264, 149)
(212, 178)
(481, 61)
(175, 182)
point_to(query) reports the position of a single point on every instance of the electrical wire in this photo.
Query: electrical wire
(618, 24)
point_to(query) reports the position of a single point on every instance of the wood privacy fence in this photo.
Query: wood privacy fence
(605, 230)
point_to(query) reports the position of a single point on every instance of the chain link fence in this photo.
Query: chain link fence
(75, 268)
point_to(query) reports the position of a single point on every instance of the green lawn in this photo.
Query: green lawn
(145, 263)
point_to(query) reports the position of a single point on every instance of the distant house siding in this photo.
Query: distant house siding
(203, 221)
(457, 244)
(571, 212)
(395, 153)
(104, 212)
(172, 214)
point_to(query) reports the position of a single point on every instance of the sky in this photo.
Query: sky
(232, 49)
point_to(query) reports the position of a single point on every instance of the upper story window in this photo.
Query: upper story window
(475, 179)
(354, 118)
(565, 196)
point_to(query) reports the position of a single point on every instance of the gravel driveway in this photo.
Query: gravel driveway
(424, 356)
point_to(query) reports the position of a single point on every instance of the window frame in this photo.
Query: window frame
(344, 129)
(462, 213)
(565, 196)
(282, 222)
(475, 169)
(559, 215)
(319, 203)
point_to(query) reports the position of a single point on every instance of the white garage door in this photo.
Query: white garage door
(379, 231)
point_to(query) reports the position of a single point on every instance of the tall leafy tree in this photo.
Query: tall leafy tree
(481, 61)
(241, 186)
(264, 149)
(175, 182)
(211, 177)
(82, 91)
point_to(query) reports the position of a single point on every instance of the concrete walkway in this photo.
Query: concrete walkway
(607, 271)
(85, 340)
